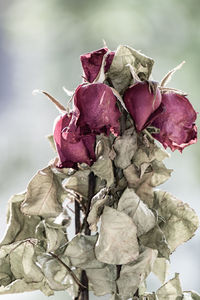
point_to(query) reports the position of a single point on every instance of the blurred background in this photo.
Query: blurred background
(40, 45)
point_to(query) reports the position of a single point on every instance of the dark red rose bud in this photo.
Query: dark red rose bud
(71, 147)
(176, 122)
(141, 102)
(96, 109)
(91, 63)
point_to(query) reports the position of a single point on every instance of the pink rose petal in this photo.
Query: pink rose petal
(176, 122)
(141, 102)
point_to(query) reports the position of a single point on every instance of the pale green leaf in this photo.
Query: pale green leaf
(117, 242)
(103, 166)
(171, 290)
(20, 226)
(135, 208)
(42, 196)
(125, 147)
(133, 274)
(80, 251)
(102, 281)
(181, 220)
(160, 268)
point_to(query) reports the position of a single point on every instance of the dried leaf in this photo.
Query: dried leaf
(133, 274)
(98, 202)
(191, 296)
(80, 251)
(52, 142)
(42, 196)
(170, 290)
(78, 182)
(155, 239)
(22, 263)
(181, 220)
(160, 268)
(102, 281)
(103, 167)
(135, 208)
(119, 72)
(52, 236)
(57, 275)
(117, 242)
(20, 227)
(21, 286)
(125, 147)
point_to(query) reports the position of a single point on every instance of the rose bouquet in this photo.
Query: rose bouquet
(109, 163)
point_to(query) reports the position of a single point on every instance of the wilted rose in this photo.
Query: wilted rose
(176, 122)
(96, 109)
(91, 63)
(71, 146)
(141, 101)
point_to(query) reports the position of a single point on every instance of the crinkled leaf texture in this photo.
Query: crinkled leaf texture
(125, 56)
(180, 220)
(133, 274)
(134, 207)
(117, 242)
(42, 198)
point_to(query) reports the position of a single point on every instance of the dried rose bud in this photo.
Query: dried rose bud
(176, 122)
(72, 148)
(91, 63)
(96, 109)
(141, 101)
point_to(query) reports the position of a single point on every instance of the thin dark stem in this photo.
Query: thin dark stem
(83, 293)
(91, 190)
(77, 217)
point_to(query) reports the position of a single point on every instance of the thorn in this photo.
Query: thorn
(56, 102)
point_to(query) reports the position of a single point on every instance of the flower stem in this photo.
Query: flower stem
(83, 293)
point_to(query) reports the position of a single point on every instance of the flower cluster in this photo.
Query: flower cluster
(97, 108)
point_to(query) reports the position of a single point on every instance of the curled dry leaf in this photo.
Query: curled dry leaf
(98, 202)
(125, 56)
(170, 290)
(181, 221)
(133, 274)
(103, 167)
(53, 237)
(125, 147)
(20, 226)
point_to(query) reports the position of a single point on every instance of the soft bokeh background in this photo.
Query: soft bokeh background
(40, 44)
